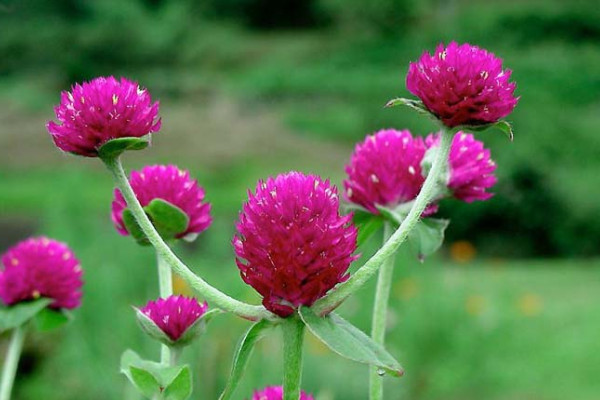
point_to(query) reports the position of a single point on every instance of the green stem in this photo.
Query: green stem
(11, 362)
(165, 289)
(334, 298)
(211, 294)
(380, 308)
(293, 339)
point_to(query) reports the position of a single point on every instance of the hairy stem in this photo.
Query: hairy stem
(211, 294)
(11, 362)
(165, 289)
(293, 340)
(334, 298)
(380, 308)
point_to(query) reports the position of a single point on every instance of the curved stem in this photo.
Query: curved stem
(211, 294)
(380, 308)
(165, 289)
(293, 340)
(334, 298)
(11, 362)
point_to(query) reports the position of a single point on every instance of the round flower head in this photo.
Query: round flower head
(292, 244)
(275, 393)
(40, 267)
(385, 170)
(171, 184)
(462, 85)
(175, 314)
(100, 110)
(471, 167)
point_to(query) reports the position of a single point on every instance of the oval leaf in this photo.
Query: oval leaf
(151, 329)
(169, 220)
(144, 381)
(115, 147)
(180, 387)
(427, 236)
(133, 228)
(242, 355)
(16, 315)
(348, 341)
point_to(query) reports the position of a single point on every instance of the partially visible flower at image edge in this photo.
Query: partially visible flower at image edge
(292, 244)
(169, 183)
(41, 267)
(102, 109)
(462, 85)
(471, 167)
(275, 393)
(174, 314)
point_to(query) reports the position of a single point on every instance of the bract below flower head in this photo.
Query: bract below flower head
(41, 267)
(471, 167)
(175, 314)
(275, 393)
(169, 183)
(462, 85)
(385, 170)
(103, 109)
(292, 244)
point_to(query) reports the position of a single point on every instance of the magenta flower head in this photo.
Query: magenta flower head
(41, 267)
(292, 244)
(471, 167)
(462, 85)
(385, 170)
(95, 112)
(170, 184)
(174, 320)
(275, 393)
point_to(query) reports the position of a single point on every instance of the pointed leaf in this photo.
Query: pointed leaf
(180, 387)
(151, 329)
(48, 319)
(501, 125)
(242, 356)
(115, 147)
(427, 236)
(144, 381)
(16, 315)
(348, 341)
(168, 219)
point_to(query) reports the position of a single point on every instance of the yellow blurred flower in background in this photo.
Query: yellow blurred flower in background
(530, 304)
(462, 251)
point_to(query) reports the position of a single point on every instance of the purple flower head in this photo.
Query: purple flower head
(175, 314)
(41, 267)
(95, 112)
(275, 393)
(462, 85)
(171, 184)
(292, 244)
(385, 170)
(471, 167)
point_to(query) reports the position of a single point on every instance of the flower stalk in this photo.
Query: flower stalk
(380, 309)
(211, 294)
(165, 288)
(11, 362)
(356, 281)
(293, 341)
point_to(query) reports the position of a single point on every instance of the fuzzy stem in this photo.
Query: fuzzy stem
(293, 339)
(165, 288)
(211, 294)
(334, 298)
(11, 362)
(380, 308)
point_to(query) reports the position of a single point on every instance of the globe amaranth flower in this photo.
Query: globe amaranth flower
(41, 267)
(169, 183)
(95, 112)
(385, 170)
(471, 167)
(175, 314)
(462, 85)
(275, 393)
(292, 244)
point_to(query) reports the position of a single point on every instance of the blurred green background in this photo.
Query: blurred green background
(507, 310)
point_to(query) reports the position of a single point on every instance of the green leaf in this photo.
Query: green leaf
(48, 319)
(180, 387)
(366, 223)
(503, 126)
(151, 329)
(169, 220)
(144, 381)
(348, 341)
(133, 228)
(242, 356)
(115, 147)
(427, 236)
(16, 315)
